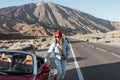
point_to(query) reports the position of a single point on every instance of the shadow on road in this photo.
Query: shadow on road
(42, 49)
(77, 58)
(71, 75)
(102, 72)
(76, 41)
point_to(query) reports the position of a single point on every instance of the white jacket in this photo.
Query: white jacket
(55, 47)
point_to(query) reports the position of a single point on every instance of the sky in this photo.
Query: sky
(104, 9)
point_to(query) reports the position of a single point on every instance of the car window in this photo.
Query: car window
(16, 63)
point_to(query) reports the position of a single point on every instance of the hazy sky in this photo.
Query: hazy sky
(105, 9)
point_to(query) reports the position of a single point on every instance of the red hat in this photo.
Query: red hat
(58, 33)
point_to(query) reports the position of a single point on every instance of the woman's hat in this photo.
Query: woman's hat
(58, 33)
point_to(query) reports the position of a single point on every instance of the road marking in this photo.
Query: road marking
(115, 54)
(101, 49)
(80, 76)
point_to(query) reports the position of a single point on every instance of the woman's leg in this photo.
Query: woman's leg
(59, 68)
(63, 64)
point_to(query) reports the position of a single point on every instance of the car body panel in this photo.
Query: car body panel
(31, 77)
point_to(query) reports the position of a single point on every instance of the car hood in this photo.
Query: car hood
(30, 77)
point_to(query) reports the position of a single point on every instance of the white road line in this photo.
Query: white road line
(80, 76)
(115, 55)
(101, 49)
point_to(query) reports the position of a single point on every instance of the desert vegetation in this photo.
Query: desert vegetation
(111, 38)
(20, 44)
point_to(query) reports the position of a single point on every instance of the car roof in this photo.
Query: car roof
(17, 51)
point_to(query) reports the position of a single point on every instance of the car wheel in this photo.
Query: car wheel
(52, 74)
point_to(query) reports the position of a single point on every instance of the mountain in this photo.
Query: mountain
(42, 19)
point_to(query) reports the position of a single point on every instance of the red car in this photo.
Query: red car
(21, 65)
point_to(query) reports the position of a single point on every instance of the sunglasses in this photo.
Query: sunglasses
(57, 36)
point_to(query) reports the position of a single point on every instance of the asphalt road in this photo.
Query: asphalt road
(97, 62)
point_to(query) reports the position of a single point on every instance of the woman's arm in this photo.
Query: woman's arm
(67, 48)
(50, 50)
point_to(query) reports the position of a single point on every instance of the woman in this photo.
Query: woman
(61, 50)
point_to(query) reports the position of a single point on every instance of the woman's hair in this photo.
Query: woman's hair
(59, 33)
(60, 42)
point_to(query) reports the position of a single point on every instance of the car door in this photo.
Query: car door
(43, 73)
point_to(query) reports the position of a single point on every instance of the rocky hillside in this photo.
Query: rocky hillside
(42, 19)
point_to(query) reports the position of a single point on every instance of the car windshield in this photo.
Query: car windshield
(15, 63)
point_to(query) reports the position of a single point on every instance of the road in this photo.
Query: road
(95, 61)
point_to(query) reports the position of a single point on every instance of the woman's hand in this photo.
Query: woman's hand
(47, 62)
(65, 57)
